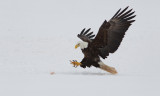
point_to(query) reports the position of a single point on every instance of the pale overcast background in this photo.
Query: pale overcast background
(38, 37)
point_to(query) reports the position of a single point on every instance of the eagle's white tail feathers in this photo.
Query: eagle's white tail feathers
(107, 68)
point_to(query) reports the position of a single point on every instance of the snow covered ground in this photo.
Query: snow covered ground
(38, 37)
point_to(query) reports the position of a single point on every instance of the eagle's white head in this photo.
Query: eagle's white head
(81, 44)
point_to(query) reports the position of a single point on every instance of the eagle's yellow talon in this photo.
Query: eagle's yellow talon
(75, 63)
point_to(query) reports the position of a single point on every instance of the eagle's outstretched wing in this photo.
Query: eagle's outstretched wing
(111, 33)
(85, 36)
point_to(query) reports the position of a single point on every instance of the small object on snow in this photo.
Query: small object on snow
(52, 73)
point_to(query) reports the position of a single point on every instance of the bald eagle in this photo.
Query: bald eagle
(107, 40)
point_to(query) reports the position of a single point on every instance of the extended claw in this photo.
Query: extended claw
(75, 63)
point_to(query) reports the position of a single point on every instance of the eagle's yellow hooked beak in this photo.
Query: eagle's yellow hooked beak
(77, 46)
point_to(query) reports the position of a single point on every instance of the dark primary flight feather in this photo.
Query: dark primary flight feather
(111, 33)
(85, 36)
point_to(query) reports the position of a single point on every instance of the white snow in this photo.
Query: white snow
(37, 37)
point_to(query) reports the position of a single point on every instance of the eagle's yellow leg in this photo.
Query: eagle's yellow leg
(75, 63)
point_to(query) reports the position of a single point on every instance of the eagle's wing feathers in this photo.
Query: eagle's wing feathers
(111, 33)
(119, 24)
(101, 37)
(86, 35)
